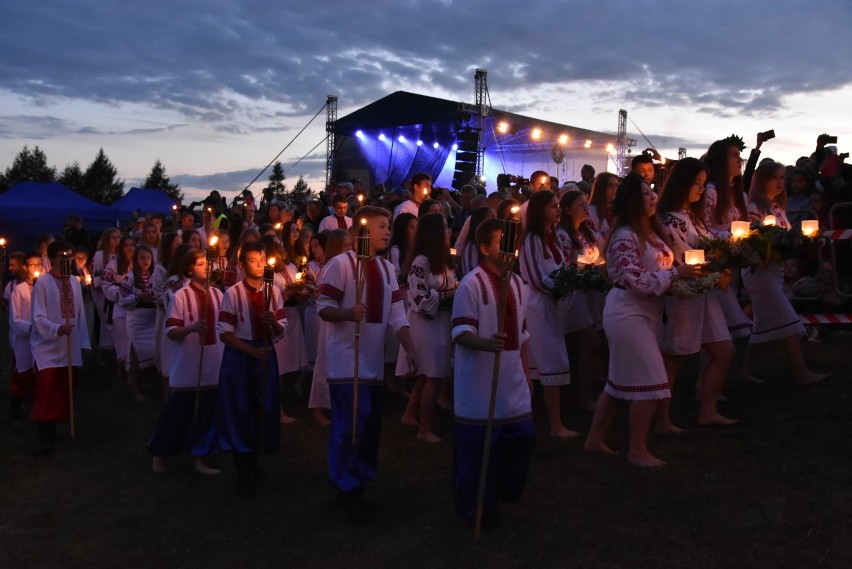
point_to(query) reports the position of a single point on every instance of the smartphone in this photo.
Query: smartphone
(768, 135)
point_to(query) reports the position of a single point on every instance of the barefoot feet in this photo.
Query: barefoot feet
(429, 437)
(202, 468)
(644, 459)
(715, 420)
(563, 433)
(159, 465)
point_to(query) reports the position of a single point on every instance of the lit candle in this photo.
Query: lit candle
(360, 199)
(36, 275)
(88, 279)
(298, 277)
(810, 227)
(769, 220)
(739, 229)
(453, 251)
(175, 213)
(694, 257)
(583, 260)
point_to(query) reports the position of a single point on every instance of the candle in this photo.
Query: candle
(583, 260)
(810, 227)
(298, 277)
(363, 240)
(453, 251)
(739, 229)
(175, 213)
(88, 279)
(769, 220)
(36, 275)
(694, 257)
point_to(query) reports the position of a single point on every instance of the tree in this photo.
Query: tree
(29, 166)
(276, 188)
(101, 182)
(301, 194)
(157, 179)
(72, 176)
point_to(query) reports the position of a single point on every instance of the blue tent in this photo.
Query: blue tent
(145, 201)
(30, 208)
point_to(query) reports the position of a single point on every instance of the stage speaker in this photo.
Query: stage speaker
(466, 155)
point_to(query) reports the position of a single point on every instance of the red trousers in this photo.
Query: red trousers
(22, 385)
(52, 397)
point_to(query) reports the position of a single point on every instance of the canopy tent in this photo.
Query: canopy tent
(397, 136)
(30, 208)
(143, 200)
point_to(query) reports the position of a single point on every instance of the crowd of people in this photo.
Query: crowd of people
(365, 290)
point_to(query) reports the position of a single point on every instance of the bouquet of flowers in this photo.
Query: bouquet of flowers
(690, 288)
(569, 278)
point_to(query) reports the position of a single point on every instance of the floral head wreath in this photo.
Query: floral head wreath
(735, 140)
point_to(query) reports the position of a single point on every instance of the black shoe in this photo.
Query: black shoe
(352, 504)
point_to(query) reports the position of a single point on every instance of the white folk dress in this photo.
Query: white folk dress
(774, 316)
(578, 314)
(110, 286)
(141, 318)
(739, 325)
(290, 349)
(548, 357)
(184, 355)
(632, 313)
(98, 267)
(689, 322)
(429, 320)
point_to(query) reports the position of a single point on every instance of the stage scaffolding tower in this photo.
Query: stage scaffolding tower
(482, 111)
(330, 120)
(621, 148)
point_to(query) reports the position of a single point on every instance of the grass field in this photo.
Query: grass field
(773, 491)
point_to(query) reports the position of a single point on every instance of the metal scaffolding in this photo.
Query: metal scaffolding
(330, 119)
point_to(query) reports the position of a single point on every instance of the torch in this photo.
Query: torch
(212, 254)
(508, 252)
(362, 249)
(66, 303)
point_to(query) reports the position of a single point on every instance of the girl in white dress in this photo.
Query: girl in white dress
(640, 266)
(168, 244)
(540, 255)
(107, 248)
(774, 317)
(136, 298)
(697, 323)
(338, 241)
(399, 254)
(113, 276)
(584, 308)
(431, 287)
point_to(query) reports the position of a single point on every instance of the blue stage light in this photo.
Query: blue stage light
(419, 143)
(401, 138)
(382, 136)
(359, 134)
(455, 146)
(435, 146)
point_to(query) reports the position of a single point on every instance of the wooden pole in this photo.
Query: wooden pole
(212, 253)
(65, 275)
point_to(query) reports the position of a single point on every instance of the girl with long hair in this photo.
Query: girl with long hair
(540, 255)
(724, 202)
(114, 274)
(150, 238)
(697, 323)
(401, 244)
(600, 202)
(774, 316)
(175, 279)
(584, 309)
(168, 244)
(106, 250)
(290, 348)
(136, 297)
(641, 267)
(431, 287)
(470, 252)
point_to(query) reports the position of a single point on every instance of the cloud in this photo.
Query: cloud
(226, 63)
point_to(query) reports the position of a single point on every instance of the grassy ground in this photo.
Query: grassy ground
(773, 491)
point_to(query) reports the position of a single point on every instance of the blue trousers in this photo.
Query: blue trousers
(508, 463)
(352, 466)
(175, 432)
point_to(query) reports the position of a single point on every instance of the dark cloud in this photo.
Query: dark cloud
(213, 60)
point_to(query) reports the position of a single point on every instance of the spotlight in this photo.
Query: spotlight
(435, 146)
(419, 143)
(382, 136)
(536, 133)
(502, 127)
(588, 144)
(359, 134)
(401, 138)
(563, 139)
(455, 146)
(610, 148)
